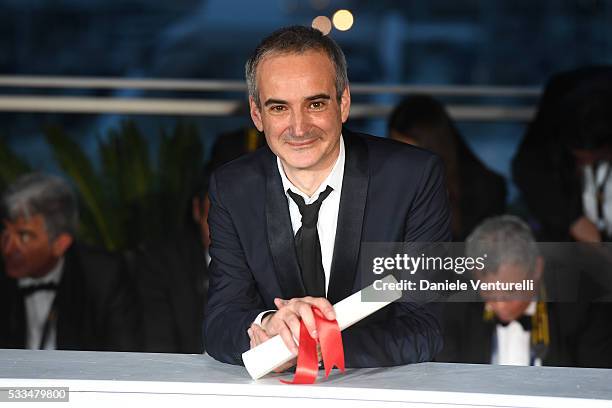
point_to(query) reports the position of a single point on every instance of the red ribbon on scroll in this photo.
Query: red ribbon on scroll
(332, 350)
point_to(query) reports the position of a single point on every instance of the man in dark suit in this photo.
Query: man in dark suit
(558, 323)
(56, 294)
(570, 134)
(287, 221)
(172, 278)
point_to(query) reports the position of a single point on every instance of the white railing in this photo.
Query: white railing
(206, 106)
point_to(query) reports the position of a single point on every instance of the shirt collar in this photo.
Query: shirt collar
(52, 277)
(531, 309)
(334, 179)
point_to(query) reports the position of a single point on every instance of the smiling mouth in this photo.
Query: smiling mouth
(303, 143)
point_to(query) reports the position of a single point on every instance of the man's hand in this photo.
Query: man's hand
(286, 321)
(257, 336)
(583, 230)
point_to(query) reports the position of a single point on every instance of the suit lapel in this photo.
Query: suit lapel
(483, 351)
(16, 333)
(350, 219)
(280, 233)
(69, 305)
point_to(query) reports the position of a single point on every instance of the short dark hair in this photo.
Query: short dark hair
(298, 40)
(49, 196)
(585, 118)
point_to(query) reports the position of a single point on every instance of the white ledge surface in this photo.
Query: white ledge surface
(103, 378)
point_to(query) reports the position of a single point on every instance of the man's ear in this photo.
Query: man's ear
(61, 244)
(539, 269)
(345, 104)
(255, 114)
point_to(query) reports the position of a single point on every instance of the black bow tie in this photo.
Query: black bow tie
(524, 320)
(28, 290)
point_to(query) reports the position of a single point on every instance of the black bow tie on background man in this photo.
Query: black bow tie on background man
(524, 320)
(31, 289)
(308, 246)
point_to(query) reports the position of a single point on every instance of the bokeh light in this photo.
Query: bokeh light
(323, 24)
(343, 20)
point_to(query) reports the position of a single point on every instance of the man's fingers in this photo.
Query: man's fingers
(259, 334)
(256, 335)
(280, 303)
(304, 310)
(320, 303)
(293, 322)
(286, 321)
(251, 340)
(286, 366)
(287, 337)
(325, 307)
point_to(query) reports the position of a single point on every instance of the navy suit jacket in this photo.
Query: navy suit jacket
(391, 192)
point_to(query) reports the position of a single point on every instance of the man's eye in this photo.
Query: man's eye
(317, 105)
(278, 108)
(24, 237)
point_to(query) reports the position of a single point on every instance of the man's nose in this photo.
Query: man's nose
(299, 123)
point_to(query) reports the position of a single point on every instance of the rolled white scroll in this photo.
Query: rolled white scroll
(273, 353)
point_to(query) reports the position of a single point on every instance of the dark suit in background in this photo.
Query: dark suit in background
(483, 192)
(97, 306)
(580, 330)
(231, 145)
(544, 168)
(391, 192)
(579, 335)
(173, 281)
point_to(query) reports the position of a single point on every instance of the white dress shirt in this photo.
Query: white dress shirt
(514, 343)
(593, 179)
(37, 307)
(328, 213)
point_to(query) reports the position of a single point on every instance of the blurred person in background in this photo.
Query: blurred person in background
(173, 275)
(562, 167)
(56, 293)
(172, 278)
(475, 192)
(554, 323)
(233, 144)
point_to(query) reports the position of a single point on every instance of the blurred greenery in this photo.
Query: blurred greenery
(137, 194)
(11, 166)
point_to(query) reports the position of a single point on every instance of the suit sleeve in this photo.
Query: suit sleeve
(406, 332)
(233, 299)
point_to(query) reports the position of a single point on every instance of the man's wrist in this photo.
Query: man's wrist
(264, 319)
(259, 318)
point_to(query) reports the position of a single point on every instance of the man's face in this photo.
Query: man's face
(300, 114)
(585, 157)
(26, 249)
(509, 306)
